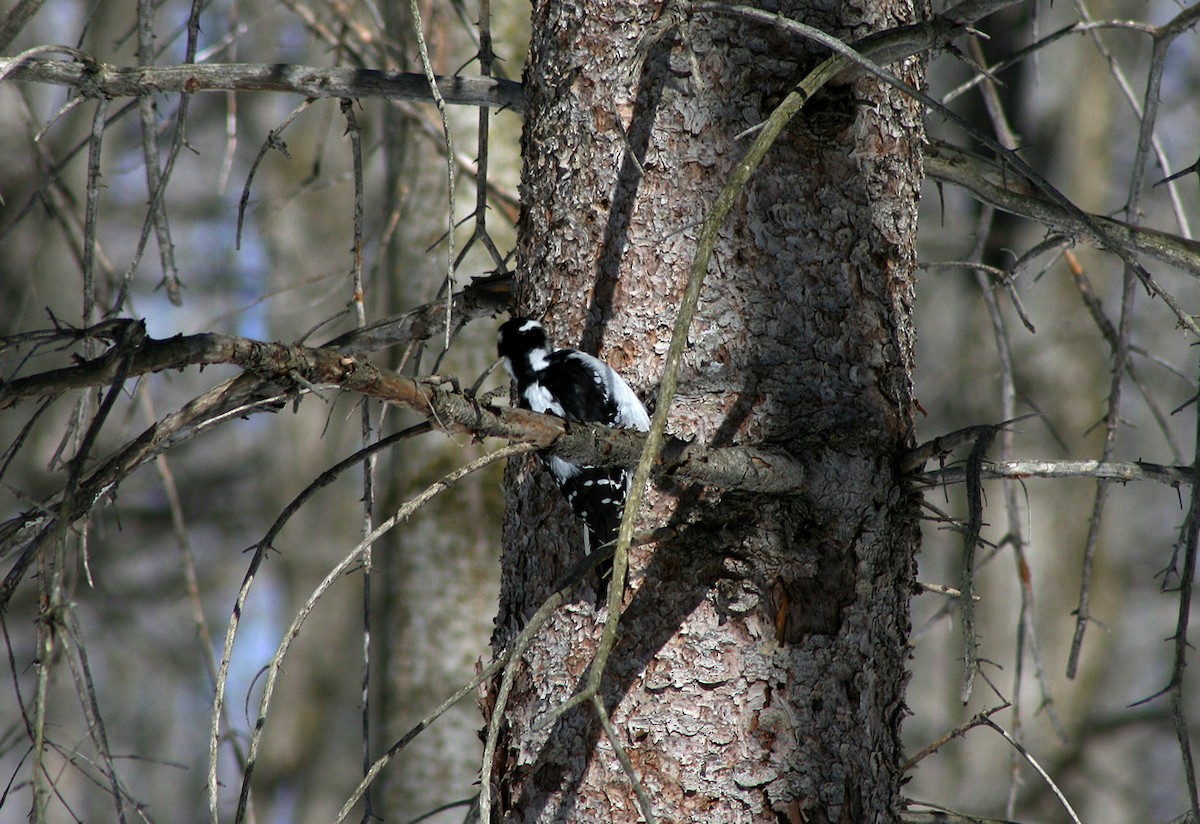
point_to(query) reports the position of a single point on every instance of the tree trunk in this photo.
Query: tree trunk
(759, 672)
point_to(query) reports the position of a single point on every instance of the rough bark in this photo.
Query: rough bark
(760, 669)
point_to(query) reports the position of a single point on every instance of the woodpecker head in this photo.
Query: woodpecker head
(523, 344)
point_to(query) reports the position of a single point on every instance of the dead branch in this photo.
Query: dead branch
(95, 79)
(1004, 188)
(1096, 470)
(971, 532)
(292, 367)
(958, 732)
(402, 514)
(276, 371)
(941, 446)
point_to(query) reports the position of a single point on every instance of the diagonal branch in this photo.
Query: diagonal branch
(276, 371)
(289, 367)
(1005, 188)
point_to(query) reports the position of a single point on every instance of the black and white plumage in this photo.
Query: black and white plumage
(578, 387)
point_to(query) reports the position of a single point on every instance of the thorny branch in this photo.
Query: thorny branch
(959, 731)
(358, 304)
(1015, 537)
(1033, 762)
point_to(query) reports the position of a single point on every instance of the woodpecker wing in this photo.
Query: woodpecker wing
(588, 389)
(577, 387)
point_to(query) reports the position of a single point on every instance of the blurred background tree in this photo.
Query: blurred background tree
(146, 586)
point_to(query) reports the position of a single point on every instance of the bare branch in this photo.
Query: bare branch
(976, 720)
(16, 19)
(85, 686)
(970, 542)
(1106, 470)
(448, 289)
(623, 757)
(147, 109)
(1033, 762)
(1096, 310)
(1004, 188)
(1189, 541)
(276, 371)
(296, 366)
(943, 445)
(101, 80)
(401, 514)
(512, 657)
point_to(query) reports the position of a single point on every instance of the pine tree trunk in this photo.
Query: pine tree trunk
(759, 674)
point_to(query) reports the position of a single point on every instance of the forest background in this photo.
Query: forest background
(259, 235)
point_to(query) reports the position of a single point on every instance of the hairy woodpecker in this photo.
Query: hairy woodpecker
(578, 387)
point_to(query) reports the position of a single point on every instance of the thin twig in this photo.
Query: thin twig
(16, 19)
(358, 302)
(402, 514)
(179, 140)
(54, 604)
(996, 184)
(1190, 539)
(1147, 111)
(1033, 762)
(1112, 423)
(1000, 278)
(941, 589)
(272, 141)
(623, 758)
(482, 187)
(92, 201)
(147, 108)
(1121, 348)
(517, 648)
(1096, 309)
(1097, 470)
(423, 50)
(265, 545)
(86, 689)
(929, 749)
(500, 704)
(505, 661)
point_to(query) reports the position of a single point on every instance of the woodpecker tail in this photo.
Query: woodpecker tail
(602, 570)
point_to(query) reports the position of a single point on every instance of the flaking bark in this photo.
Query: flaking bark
(760, 670)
